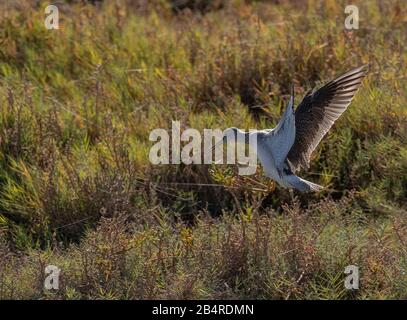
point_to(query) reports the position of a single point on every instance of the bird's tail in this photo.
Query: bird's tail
(302, 185)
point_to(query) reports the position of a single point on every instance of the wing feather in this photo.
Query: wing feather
(318, 111)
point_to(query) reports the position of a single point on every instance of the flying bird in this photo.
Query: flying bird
(287, 148)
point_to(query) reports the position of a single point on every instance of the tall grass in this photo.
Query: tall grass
(77, 190)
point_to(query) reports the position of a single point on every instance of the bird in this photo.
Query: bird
(287, 148)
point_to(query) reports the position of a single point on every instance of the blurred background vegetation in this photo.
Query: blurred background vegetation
(77, 189)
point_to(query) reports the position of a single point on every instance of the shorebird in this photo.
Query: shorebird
(287, 148)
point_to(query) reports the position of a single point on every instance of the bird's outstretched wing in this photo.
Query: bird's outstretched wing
(318, 111)
(281, 138)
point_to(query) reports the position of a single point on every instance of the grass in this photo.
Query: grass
(77, 190)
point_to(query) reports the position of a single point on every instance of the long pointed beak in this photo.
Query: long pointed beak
(216, 144)
(214, 147)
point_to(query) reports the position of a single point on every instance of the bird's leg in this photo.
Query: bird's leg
(291, 191)
(271, 186)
